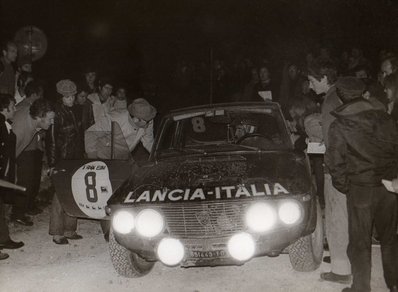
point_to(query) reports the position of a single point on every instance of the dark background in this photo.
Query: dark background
(142, 41)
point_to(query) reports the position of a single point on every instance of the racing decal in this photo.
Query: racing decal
(225, 192)
(91, 188)
(198, 125)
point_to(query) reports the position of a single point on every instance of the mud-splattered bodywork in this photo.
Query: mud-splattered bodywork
(204, 195)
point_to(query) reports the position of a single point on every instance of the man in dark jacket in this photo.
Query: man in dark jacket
(7, 166)
(363, 150)
(30, 125)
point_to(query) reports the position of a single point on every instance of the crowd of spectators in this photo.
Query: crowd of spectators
(349, 95)
(87, 118)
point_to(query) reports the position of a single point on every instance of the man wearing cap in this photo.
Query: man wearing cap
(363, 150)
(322, 78)
(67, 134)
(133, 125)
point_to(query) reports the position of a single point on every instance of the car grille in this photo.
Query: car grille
(204, 219)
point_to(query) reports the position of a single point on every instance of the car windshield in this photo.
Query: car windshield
(221, 130)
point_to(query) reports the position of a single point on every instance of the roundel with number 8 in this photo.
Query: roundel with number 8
(92, 188)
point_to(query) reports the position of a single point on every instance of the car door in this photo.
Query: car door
(83, 187)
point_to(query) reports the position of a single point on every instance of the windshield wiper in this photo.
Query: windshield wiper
(242, 146)
(249, 147)
(189, 150)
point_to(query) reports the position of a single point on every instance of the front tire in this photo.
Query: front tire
(307, 252)
(125, 262)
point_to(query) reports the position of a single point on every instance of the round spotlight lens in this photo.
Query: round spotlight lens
(289, 212)
(123, 222)
(260, 217)
(149, 223)
(170, 251)
(241, 246)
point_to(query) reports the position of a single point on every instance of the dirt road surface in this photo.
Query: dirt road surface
(85, 265)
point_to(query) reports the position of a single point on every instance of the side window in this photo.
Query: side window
(168, 136)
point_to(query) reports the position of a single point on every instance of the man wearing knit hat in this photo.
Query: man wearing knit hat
(66, 87)
(362, 151)
(134, 125)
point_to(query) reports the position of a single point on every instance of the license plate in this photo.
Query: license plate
(208, 254)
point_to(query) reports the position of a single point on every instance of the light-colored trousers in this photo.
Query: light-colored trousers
(336, 221)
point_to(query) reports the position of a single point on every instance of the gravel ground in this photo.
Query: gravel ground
(85, 265)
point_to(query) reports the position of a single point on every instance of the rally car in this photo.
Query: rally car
(223, 184)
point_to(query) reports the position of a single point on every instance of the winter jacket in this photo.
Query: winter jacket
(363, 145)
(67, 133)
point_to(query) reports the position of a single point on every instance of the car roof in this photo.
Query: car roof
(230, 105)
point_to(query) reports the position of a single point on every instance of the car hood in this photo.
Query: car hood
(216, 177)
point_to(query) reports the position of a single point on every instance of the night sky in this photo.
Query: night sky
(134, 40)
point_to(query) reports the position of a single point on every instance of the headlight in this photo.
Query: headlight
(241, 246)
(149, 223)
(260, 217)
(123, 222)
(170, 251)
(289, 212)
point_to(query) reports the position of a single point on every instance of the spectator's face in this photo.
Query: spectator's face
(106, 91)
(309, 58)
(361, 74)
(26, 68)
(36, 96)
(46, 121)
(264, 74)
(11, 53)
(121, 94)
(141, 123)
(325, 53)
(90, 77)
(11, 111)
(292, 71)
(355, 53)
(68, 100)
(386, 68)
(81, 97)
(305, 87)
(389, 93)
(319, 86)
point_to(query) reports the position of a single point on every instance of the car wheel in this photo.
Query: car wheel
(307, 252)
(125, 262)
